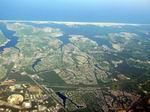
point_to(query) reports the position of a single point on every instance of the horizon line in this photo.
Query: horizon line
(75, 22)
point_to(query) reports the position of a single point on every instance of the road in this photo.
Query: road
(49, 92)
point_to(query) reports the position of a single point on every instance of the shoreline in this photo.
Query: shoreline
(73, 22)
(2, 45)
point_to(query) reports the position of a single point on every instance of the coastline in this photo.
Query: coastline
(73, 22)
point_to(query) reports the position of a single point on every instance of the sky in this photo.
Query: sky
(125, 11)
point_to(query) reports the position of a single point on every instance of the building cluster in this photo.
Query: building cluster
(25, 97)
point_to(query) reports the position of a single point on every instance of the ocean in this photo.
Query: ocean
(128, 11)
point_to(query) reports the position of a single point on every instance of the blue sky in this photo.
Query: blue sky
(130, 11)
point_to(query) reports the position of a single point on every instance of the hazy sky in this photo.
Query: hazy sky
(132, 11)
